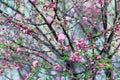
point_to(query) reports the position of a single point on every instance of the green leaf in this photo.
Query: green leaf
(88, 31)
(110, 66)
(19, 42)
(96, 35)
(80, 65)
(87, 74)
(64, 74)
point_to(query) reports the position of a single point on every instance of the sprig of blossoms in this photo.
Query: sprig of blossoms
(75, 57)
(82, 45)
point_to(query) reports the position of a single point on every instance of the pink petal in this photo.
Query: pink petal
(49, 19)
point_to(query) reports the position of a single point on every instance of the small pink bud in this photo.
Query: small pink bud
(35, 63)
(98, 57)
(85, 19)
(59, 44)
(66, 48)
(94, 46)
(18, 50)
(52, 5)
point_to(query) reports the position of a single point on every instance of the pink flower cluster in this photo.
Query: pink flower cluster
(51, 5)
(76, 58)
(82, 45)
(57, 67)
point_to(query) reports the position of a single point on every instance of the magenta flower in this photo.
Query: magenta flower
(35, 63)
(82, 45)
(66, 48)
(61, 36)
(85, 19)
(100, 2)
(57, 67)
(52, 5)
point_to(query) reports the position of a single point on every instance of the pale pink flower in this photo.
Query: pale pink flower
(49, 19)
(94, 46)
(18, 50)
(32, 0)
(18, 16)
(66, 48)
(61, 36)
(98, 57)
(72, 10)
(17, 67)
(85, 19)
(35, 63)
(59, 44)
(68, 18)
(40, 79)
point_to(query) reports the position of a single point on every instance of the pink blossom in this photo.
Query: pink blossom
(17, 67)
(82, 45)
(52, 5)
(72, 10)
(59, 44)
(46, 6)
(94, 46)
(40, 79)
(49, 19)
(26, 25)
(57, 67)
(35, 63)
(76, 58)
(2, 40)
(61, 36)
(18, 16)
(18, 50)
(32, 0)
(66, 48)
(98, 57)
(68, 18)
(85, 19)
(100, 2)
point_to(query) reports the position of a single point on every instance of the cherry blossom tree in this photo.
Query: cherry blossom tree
(60, 39)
